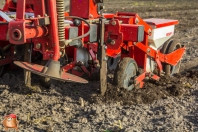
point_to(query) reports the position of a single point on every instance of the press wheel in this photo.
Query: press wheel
(170, 46)
(125, 73)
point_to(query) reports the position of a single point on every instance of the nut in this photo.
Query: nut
(90, 16)
(113, 23)
(148, 51)
(38, 46)
(105, 59)
(113, 42)
(149, 32)
(136, 21)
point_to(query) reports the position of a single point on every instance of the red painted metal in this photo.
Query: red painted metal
(86, 71)
(20, 12)
(139, 80)
(37, 69)
(108, 15)
(155, 77)
(130, 32)
(113, 35)
(35, 32)
(6, 61)
(10, 6)
(84, 8)
(3, 32)
(54, 29)
(121, 37)
(135, 19)
(77, 73)
(69, 66)
(172, 58)
(113, 53)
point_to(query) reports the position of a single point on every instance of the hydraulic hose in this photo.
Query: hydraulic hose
(82, 36)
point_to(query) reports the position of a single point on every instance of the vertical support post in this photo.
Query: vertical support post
(102, 58)
(20, 14)
(27, 58)
(40, 7)
(54, 29)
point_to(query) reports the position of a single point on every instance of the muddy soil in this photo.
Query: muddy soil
(166, 105)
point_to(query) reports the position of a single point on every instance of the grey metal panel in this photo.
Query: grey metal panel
(73, 32)
(140, 33)
(93, 35)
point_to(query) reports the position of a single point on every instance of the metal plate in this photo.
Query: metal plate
(37, 69)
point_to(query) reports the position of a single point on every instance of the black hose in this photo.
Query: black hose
(84, 35)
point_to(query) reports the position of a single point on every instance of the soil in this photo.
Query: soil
(166, 105)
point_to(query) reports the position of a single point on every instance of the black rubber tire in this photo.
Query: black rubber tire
(170, 46)
(112, 63)
(125, 73)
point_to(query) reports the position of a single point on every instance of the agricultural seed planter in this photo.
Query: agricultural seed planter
(80, 41)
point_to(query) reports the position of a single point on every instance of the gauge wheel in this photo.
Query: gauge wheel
(170, 46)
(1, 57)
(125, 73)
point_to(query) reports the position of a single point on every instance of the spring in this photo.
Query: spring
(60, 12)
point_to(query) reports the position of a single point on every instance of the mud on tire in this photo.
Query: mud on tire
(125, 73)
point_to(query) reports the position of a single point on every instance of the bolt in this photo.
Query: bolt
(38, 46)
(80, 63)
(113, 42)
(105, 47)
(39, 16)
(61, 53)
(31, 17)
(29, 51)
(148, 50)
(91, 16)
(102, 7)
(149, 32)
(136, 21)
(113, 23)
(45, 15)
(105, 59)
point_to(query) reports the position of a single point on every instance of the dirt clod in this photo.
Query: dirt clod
(153, 90)
(166, 105)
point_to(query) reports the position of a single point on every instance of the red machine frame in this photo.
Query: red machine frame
(120, 35)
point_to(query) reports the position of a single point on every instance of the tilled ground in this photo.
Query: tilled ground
(167, 105)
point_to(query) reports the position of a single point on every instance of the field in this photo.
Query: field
(169, 105)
